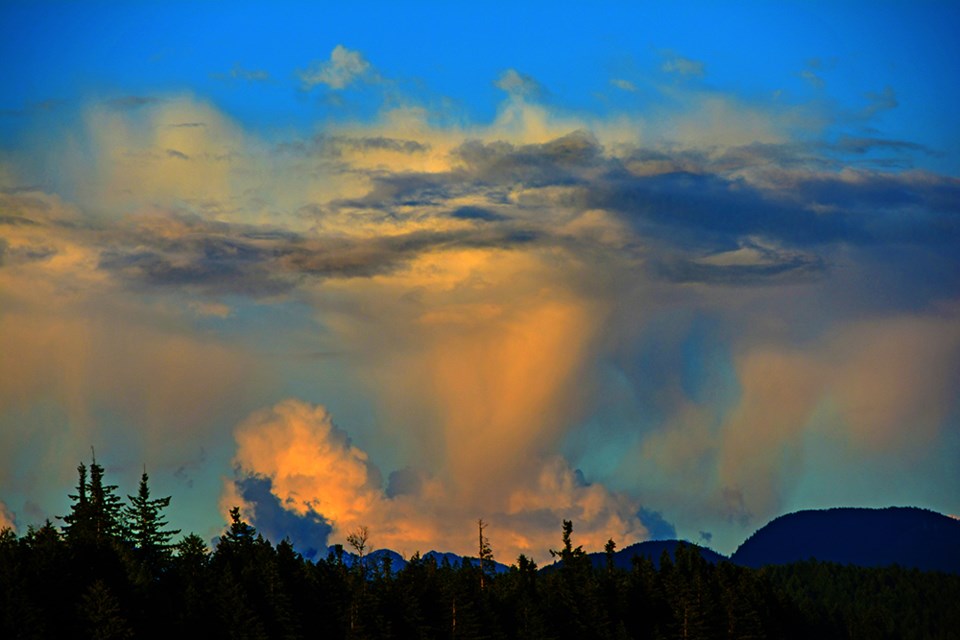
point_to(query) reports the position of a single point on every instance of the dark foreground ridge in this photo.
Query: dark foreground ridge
(905, 536)
(115, 569)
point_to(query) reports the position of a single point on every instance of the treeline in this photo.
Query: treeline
(112, 569)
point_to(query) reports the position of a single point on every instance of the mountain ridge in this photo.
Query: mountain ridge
(911, 537)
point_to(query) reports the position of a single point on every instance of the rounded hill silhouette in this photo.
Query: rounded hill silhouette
(906, 536)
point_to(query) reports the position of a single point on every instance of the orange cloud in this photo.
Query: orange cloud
(7, 518)
(312, 465)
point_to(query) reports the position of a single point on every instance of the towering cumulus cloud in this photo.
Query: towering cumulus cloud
(312, 469)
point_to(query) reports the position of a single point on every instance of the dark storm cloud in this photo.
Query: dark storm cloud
(307, 533)
(657, 525)
(690, 208)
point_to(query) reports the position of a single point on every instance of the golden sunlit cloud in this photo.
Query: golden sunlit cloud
(313, 467)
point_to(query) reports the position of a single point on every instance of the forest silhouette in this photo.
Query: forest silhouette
(115, 568)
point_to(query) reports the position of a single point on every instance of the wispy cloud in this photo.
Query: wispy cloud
(238, 72)
(344, 67)
(879, 102)
(680, 65)
(133, 102)
(519, 85)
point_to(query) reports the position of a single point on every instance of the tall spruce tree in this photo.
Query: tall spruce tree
(106, 519)
(95, 516)
(147, 526)
(77, 522)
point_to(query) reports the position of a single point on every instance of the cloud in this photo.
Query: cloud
(132, 102)
(815, 81)
(7, 518)
(307, 532)
(674, 63)
(344, 67)
(293, 456)
(861, 145)
(879, 102)
(340, 145)
(519, 85)
(625, 85)
(656, 525)
(237, 72)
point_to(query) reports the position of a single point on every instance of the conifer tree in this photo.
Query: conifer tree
(146, 525)
(240, 534)
(106, 522)
(95, 516)
(77, 522)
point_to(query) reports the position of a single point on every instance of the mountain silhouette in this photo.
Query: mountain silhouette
(653, 551)
(375, 558)
(906, 536)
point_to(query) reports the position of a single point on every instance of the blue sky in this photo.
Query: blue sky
(411, 264)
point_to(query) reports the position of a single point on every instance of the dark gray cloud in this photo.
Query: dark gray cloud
(307, 533)
(404, 481)
(211, 263)
(477, 213)
(780, 268)
(685, 221)
(217, 257)
(565, 160)
(657, 525)
(861, 145)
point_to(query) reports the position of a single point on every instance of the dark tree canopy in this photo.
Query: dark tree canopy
(117, 573)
